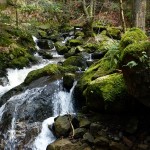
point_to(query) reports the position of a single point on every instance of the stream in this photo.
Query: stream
(26, 111)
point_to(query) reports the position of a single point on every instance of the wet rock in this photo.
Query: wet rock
(68, 80)
(84, 123)
(95, 128)
(79, 132)
(78, 61)
(65, 144)
(87, 137)
(62, 126)
(98, 55)
(101, 141)
(61, 48)
(43, 44)
(45, 54)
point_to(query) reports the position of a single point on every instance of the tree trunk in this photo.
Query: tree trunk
(139, 13)
(122, 16)
(88, 11)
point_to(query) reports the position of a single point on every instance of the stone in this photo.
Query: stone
(84, 123)
(95, 128)
(68, 80)
(87, 137)
(79, 132)
(101, 141)
(62, 126)
(117, 146)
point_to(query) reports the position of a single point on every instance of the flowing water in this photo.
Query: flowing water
(59, 101)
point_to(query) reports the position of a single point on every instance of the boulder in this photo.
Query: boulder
(135, 62)
(108, 93)
(79, 132)
(61, 48)
(62, 126)
(101, 141)
(87, 137)
(134, 35)
(95, 128)
(43, 44)
(68, 80)
(74, 42)
(78, 61)
(114, 32)
(65, 144)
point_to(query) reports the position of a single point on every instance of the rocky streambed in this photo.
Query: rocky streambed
(88, 99)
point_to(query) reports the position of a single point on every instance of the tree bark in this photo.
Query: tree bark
(139, 13)
(122, 16)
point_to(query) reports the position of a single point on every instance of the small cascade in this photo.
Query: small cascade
(90, 57)
(11, 142)
(62, 104)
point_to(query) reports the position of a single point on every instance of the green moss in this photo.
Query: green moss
(61, 48)
(74, 42)
(134, 52)
(105, 66)
(49, 70)
(105, 91)
(114, 32)
(78, 61)
(134, 35)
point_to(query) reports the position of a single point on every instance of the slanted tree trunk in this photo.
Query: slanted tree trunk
(122, 16)
(88, 11)
(139, 13)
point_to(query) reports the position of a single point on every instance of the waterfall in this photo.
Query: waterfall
(60, 99)
(62, 104)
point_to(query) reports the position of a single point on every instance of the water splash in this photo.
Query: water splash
(62, 104)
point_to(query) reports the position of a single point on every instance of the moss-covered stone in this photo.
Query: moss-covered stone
(107, 93)
(78, 61)
(68, 80)
(51, 70)
(91, 47)
(74, 42)
(114, 33)
(135, 62)
(61, 48)
(79, 34)
(134, 35)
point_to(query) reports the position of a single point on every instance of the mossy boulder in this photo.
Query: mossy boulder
(114, 33)
(74, 42)
(108, 94)
(79, 34)
(91, 47)
(135, 62)
(51, 70)
(61, 48)
(134, 35)
(78, 61)
(68, 80)
(105, 66)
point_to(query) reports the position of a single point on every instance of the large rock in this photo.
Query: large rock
(135, 62)
(61, 48)
(68, 80)
(78, 61)
(108, 93)
(65, 144)
(62, 126)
